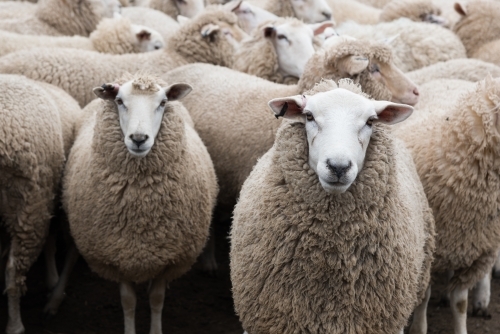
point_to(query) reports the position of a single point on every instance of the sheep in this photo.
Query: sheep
(188, 8)
(116, 36)
(310, 11)
(16, 9)
(369, 64)
(30, 172)
(416, 44)
(462, 186)
(279, 50)
(415, 10)
(332, 232)
(139, 189)
(210, 37)
(56, 18)
(250, 16)
(463, 69)
(153, 19)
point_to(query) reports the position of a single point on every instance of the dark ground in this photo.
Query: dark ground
(196, 303)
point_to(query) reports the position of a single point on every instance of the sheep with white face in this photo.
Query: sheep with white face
(141, 114)
(338, 126)
(312, 11)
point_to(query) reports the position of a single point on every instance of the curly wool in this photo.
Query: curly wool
(30, 168)
(134, 219)
(479, 26)
(166, 6)
(16, 9)
(462, 184)
(415, 10)
(292, 244)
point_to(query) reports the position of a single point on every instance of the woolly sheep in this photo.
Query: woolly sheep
(235, 144)
(415, 10)
(187, 8)
(310, 11)
(153, 19)
(463, 69)
(250, 16)
(209, 37)
(30, 172)
(333, 238)
(462, 186)
(137, 146)
(16, 9)
(116, 36)
(416, 44)
(278, 50)
(57, 18)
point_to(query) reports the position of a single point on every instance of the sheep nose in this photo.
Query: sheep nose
(415, 91)
(139, 139)
(327, 15)
(339, 170)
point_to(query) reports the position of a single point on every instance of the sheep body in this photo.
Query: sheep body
(417, 44)
(378, 237)
(160, 236)
(348, 10)
(153, 19)
(77, 72)
(488, 52)
(16, 9)
(115, 36)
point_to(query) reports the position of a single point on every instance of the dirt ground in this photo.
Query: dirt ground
(196, 303)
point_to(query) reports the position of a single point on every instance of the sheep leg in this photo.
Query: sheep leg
(129, 299)
(458, 303)
(481, 296)
(52, 276)
(445, 296)
(419, 325)
(207, 257)
(156, 300)
(58, 294)
(14, 324)
(496, 267)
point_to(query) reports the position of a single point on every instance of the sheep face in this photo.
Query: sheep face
(312, 11)
(250, 17)
(141, 107)
(338, 126)
(189, 8)
(147, 39)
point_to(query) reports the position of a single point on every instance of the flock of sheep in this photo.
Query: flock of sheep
(134, 126)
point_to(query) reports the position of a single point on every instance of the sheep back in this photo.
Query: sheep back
(303, 260)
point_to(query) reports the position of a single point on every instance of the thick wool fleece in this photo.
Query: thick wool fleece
(415, 10)
(135, 219)
(282, 8)
(78, 72)
(58, 17)
(463, 69)
(375, 3)
(462, 184)
(245, 133)
(479, 26)
(153, 19)
(31, 163)
(488, 52)
(348, 10)
(417, 44)
(166, 6)
(305, 261)
(440, 93)
(16, 9)
(113, 36)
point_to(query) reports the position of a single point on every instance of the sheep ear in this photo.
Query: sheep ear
(233, 6)
(107, 91)
(391, 113)
(269, 31)
(289, 107)
(182, 19)
(353, 64)
(319, 28)
(143, 35)
(460, 8)
(209, 29)
(177, 91)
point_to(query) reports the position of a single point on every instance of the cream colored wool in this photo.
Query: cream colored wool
(36, 129)
(415, 10)
(16, 9)
(481, 25)
(281, 8)
(134, 219)
(55, 18)
(305, 261)
(77, 72)
(439, 94)
(153, 19)
(462, 184)
(166, 6)
(115, 36)
(236, 141)
(463, 69)
(349, 10)
(489, 52)
(375, 3)
(416, 44)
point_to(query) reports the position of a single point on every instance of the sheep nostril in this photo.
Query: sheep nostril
(327, 15)
(139, 139)
(415, 91)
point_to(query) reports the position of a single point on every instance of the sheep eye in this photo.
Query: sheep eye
(369, 122)
(157, 47)
(309, 116)
(162, 104)
(282, 37)
(119, 102)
